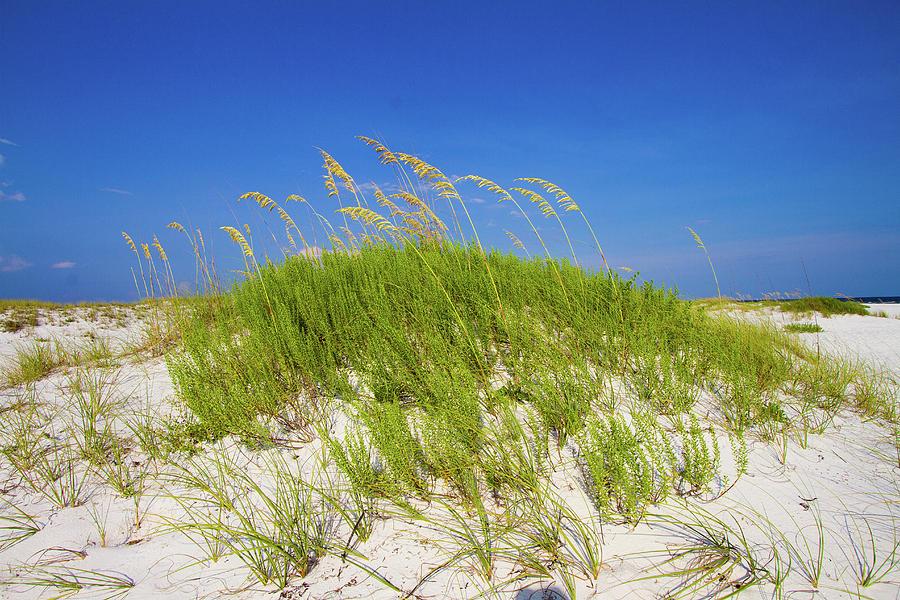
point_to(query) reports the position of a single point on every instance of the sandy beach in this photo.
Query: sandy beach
(819, 512)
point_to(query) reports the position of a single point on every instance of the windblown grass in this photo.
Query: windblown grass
(823, 304)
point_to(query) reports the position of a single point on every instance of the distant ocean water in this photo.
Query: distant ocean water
(860, 299)
(875, 299)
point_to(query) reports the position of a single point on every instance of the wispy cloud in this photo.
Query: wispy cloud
(789, 248)
(17, 197)
(2, 159)
(313, 252)
(477, 200)
(13, 262)
(7, 142)
(65, 264)
(387, 188)
(117, 191)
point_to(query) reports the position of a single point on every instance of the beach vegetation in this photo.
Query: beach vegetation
(803, 328)
(18, 319)
(16, 526)
(68, 581)
(462, 368)
(823, 305)
(278, 531)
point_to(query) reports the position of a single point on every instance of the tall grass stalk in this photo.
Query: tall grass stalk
(701, 245)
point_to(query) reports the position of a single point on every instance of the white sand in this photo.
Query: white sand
(848, 477)
(874, 341)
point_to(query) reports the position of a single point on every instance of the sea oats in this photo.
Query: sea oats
(386, 156)
(238, 238)
(129, 241)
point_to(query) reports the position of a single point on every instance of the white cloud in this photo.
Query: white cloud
(13, 262)
(7, 142)
(313, 252)
(2, 159)
(477, 200)
(117, 191)
(65, 264)
(387, 187)
(17, 197)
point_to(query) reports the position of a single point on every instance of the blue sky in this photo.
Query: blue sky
(771, 128)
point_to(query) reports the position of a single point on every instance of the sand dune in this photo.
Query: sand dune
(836, 493)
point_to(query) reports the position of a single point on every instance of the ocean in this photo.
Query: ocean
(875, 299)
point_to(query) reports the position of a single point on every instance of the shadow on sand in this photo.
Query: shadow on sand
(541, 593)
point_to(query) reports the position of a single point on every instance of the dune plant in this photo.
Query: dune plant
(627, 471)
(872, 568)
(699, 459)
(30, 364)
(552, 540)
(127, 477)
(824, 305)
(354, 457)
(702, 246)
(94, 410)
(68, 581)
(274, 522)
(459, 370)
(99, 519)
(16, 526)
(55, 474)
(23, 426)
(18, 319)
(717, 560)
(803, 328)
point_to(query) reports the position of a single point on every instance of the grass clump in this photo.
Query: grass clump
(273, 521)
(803, 328)
(824, 305)
(424, 338)
(19, 319)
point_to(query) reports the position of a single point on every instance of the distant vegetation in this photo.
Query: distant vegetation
(802, 328)
(823, 304)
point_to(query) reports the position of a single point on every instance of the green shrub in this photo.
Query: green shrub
(627, 469)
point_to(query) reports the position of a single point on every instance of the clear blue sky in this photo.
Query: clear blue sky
(771, 128)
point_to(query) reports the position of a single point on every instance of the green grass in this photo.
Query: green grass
(424, 339)
(18, 319)
(824, 305)
(803, 328)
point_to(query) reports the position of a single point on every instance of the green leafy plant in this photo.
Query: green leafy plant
(626, 470)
